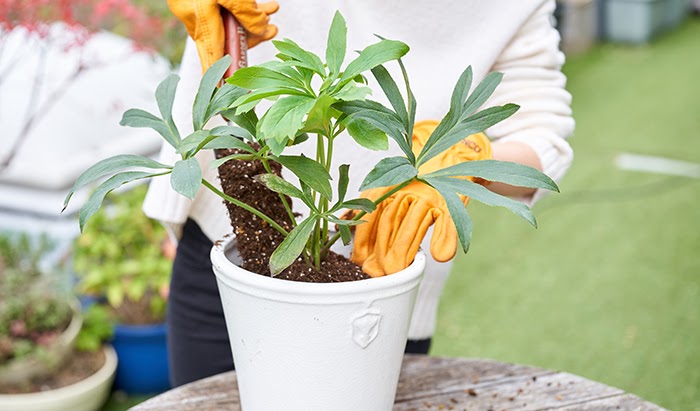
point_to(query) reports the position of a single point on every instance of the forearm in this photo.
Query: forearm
(516, 152)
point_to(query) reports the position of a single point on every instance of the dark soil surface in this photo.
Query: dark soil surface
(79, 366)
(256, 239)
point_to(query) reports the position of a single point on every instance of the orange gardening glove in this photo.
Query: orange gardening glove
(389, 239)
(202, 19)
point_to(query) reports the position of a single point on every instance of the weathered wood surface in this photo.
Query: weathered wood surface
(438, 383)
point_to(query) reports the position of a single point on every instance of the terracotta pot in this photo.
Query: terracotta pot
(310, 346)
(87, 395)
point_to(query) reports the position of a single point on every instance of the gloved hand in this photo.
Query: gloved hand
(389, 239)
(202, 19)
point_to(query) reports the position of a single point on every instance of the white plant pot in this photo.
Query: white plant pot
(87, 395)
(309, 346)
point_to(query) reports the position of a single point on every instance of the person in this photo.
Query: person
(515, 37)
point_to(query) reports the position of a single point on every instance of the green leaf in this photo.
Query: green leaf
(242, 104)
(227, 141)
(366, 134)
(285, 118)
(380, 117)
(458, 212)
(238, 132)
(482, 194)
(310, 172)
(372, 56)
(341, 222)
(391, 90)
(95, 201)
(343, 181)
(345, 234)
(292, 246)
(219, 161)
(310, 60)
(337, 45)
(212, 77)
(388, 172)
(192, 142)
(352, 91)
(482, 92)
(282, 186)
(111, 165)
(186, 177)
(318, 120)
(411, 103)
(143, 119)
(362, 204)
(256, 77)
(165, 94)
(502, 171)
(461, 90)
(475, 123)
(225, 96)
(247, 120)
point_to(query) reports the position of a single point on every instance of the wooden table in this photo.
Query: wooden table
(438, 383)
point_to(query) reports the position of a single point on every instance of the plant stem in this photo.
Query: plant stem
(245, 207)
(361, 214)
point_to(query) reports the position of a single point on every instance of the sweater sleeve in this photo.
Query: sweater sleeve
(531, 64)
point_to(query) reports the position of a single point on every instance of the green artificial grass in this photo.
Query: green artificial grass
(608, 287)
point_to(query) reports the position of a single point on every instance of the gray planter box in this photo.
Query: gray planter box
(634, 21)
(577, 22)
(676, 12)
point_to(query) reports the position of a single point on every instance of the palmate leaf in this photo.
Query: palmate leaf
(247, 120)
(475, 123)
(411, 104)
(292, 246)
(482, 92)
(186, 177)
(381, 118)
(285, 118)
(343, 181)
(224, 98)
(291, 49)
(165, 95)
(372, 56)
(482, 194)
(362, 204)
(256, 77)
(143, 119)
(458, 123)
(191, 142)
(282, 186)
(458, 212)
(337, 45)
(310, 172)
(502, 171)
(388, 172)
(109, 166)
(95, 201)
(391, 90)
(212, 77)
(366, 134)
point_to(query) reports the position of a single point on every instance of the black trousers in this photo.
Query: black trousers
(198, 344)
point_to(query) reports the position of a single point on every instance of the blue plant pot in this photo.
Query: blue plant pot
(143, 358)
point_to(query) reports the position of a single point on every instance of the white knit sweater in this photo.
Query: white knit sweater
(511, 36)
